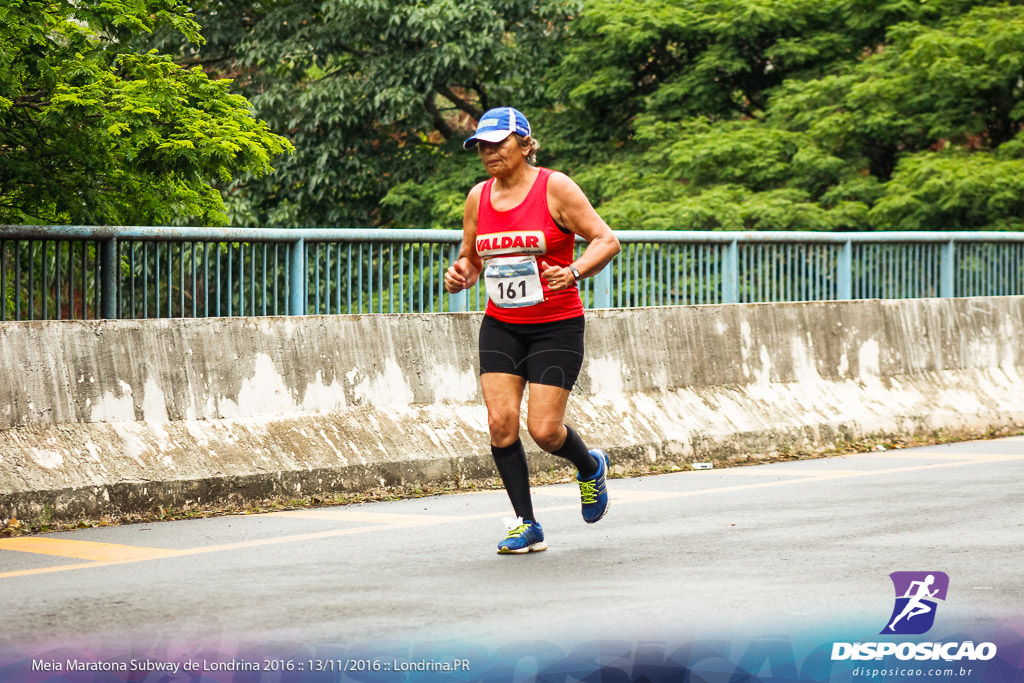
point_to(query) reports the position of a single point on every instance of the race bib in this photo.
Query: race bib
(513, 281)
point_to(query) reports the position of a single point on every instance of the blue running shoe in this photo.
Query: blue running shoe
(522, 538)
(594, 491)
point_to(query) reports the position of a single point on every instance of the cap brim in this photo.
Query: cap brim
(486, 136)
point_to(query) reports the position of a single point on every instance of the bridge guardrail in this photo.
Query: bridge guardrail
(87, 272)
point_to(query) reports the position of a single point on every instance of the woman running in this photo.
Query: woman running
(522, 223)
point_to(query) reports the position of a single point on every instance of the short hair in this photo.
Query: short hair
(531, 142)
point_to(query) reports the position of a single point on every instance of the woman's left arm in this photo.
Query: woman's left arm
(572, 210)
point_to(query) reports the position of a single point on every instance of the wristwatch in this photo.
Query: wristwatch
(575, 273)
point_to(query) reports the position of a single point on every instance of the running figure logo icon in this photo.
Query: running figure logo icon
(916, 595)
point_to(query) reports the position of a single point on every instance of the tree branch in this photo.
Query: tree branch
(485, 99)
(355, 51)
(34, 101)
(439, 123)
(461, 103)
(199, 61)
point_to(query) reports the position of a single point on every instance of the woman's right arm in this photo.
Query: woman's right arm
(464, 273)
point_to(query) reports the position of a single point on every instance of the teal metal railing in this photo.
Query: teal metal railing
(82, 272)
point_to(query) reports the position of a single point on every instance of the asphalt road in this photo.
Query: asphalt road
(777, 548)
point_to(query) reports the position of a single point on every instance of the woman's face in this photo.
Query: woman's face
(501, 158)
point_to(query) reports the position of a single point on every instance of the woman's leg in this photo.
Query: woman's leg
(553, 364)
(545, 420)
(503, 395)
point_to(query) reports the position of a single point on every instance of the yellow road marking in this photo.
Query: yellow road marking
(105, 554)
(348, 515)
(312, 536)
(631, 496)
(83, 550)
(50, 570)
(556, 491)
(943, 456)
(616, 494)
(779, 472)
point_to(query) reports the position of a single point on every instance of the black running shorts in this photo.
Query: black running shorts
(543, 353)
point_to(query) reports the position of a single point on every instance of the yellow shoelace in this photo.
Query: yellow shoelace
(518, 531)
(588, 492)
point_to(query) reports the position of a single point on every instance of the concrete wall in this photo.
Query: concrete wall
(119, 416)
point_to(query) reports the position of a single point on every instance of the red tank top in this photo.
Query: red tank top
(530, 227)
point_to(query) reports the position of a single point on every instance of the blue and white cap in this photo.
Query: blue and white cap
(498, 124)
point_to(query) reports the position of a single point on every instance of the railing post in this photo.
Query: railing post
(297, 277)
(731, 274)
(603, 288)
(108, 279)
(947, 269)
(845, 271)
(459, 301)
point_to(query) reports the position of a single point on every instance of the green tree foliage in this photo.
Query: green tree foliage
(92, 132)
(716, 59)
(782, 115)
(698, 114)
(372, 93)
(911, 120)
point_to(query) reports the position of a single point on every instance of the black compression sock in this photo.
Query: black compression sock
(515, 474)
(576, 452)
